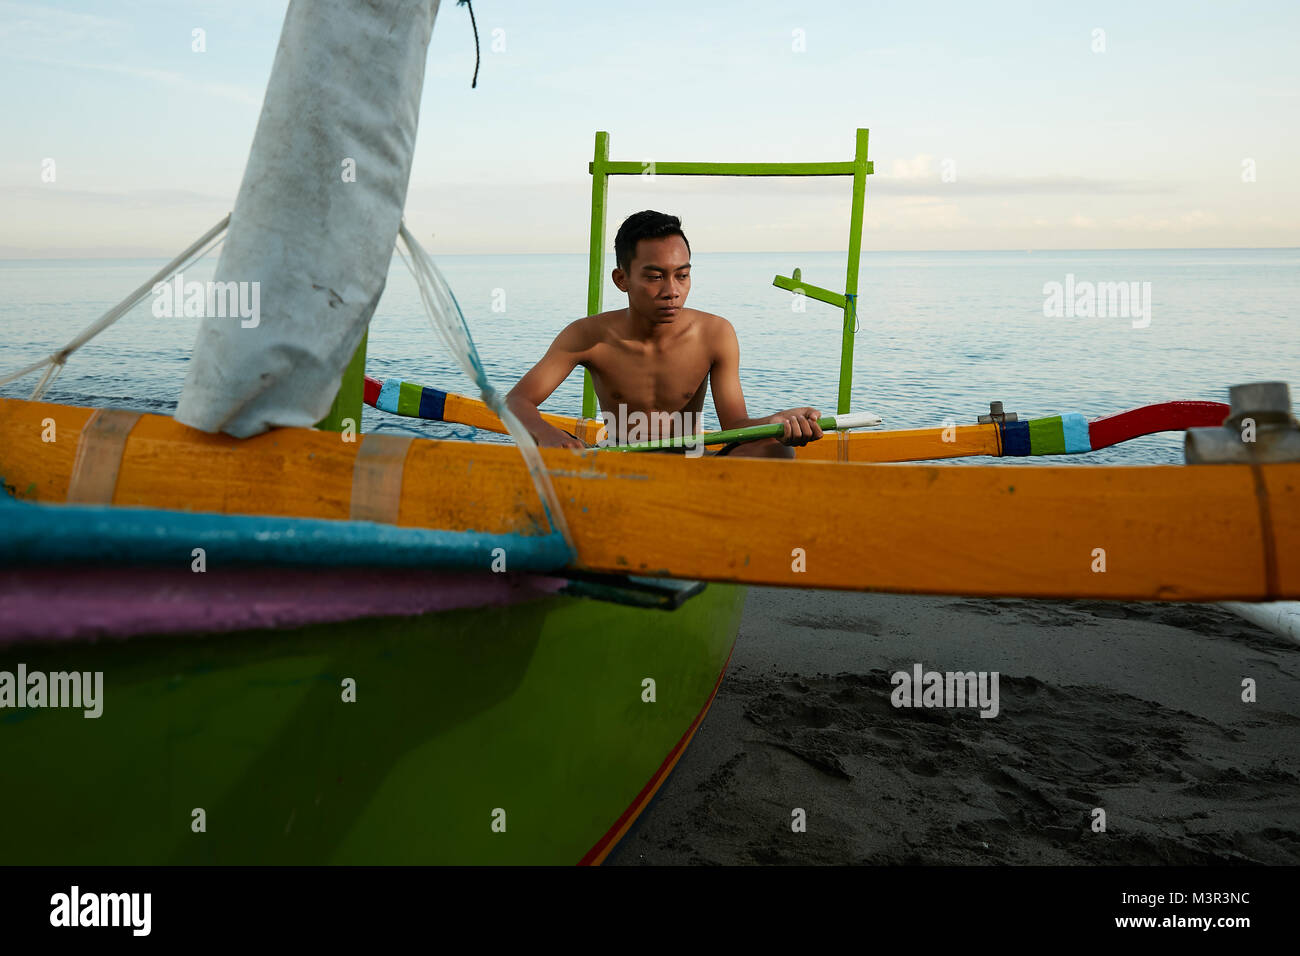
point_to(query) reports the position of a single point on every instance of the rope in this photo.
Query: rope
(466, 3)
(467, 432)
(448, 321)
(57, 360)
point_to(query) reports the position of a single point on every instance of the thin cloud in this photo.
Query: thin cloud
(30, 23)
(135, 199)
(1187, 222)
(1026, 186)
(228, 91)
(887, 185)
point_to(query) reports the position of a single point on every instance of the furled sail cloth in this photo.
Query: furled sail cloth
(344, 97)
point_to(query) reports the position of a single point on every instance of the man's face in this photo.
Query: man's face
(658, 279)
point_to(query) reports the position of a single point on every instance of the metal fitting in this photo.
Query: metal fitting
(1260, 429)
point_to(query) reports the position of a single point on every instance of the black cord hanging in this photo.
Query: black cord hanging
(466, 3)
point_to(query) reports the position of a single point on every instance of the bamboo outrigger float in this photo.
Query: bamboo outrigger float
(995, 435)
(385, 650)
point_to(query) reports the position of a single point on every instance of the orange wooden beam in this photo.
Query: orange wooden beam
(920, 444)
(916, 444)
(1205, 533)
(470, 411)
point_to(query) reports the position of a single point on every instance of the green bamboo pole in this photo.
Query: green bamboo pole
(828, 423)
(732, 169)
(596, 254)
(861, 169)
(348, 400)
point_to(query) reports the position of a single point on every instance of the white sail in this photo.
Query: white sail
(316, 218)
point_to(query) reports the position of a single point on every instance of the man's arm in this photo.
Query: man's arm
(729, 399)
(565, 354)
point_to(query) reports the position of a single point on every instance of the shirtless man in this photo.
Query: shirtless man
(656, 356)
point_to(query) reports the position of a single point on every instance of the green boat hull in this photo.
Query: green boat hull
(503, 734)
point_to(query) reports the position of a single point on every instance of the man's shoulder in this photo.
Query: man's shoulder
(603, 319)
(712, 325)
(590, 329)
(601, 322)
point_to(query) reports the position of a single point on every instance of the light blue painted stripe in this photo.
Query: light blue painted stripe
(40, 533)
(1074, 428)
(389, 393)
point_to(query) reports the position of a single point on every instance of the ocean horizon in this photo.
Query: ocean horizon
(941, 334)
(759, 252)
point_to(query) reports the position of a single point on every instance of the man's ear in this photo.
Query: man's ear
(620, 279)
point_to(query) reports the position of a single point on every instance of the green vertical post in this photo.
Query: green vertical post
(596, 255)
(348, 401)
(861, 168)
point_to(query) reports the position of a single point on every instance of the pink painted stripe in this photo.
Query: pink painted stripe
(72, 603)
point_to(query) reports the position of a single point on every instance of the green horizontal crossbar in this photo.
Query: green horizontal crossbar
(725, 169)
(812, 291)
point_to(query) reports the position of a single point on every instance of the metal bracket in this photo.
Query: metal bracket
(1260, 429)
(996, 414)
(664, 594)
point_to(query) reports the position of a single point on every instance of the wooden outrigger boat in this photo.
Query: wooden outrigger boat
(347, 712)
(290, 676)
(396, 649)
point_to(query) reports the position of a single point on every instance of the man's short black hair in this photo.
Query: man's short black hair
(646, 224)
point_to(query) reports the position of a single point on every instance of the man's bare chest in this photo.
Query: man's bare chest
(648, 380)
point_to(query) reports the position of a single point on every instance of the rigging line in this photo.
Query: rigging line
(382, 426)
(448, 320)
(196, 249)
(473, 23)
(60, 358)
(48, 378)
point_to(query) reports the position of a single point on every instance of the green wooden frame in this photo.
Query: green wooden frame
(859, 168)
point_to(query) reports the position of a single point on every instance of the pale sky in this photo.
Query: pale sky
(1048, 142)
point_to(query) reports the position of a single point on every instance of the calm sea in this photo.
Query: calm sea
(940, 334)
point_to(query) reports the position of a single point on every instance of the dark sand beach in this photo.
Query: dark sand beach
(1132, 708)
